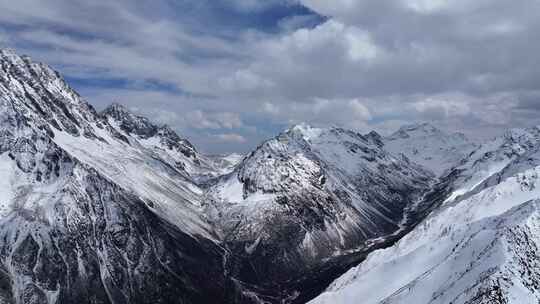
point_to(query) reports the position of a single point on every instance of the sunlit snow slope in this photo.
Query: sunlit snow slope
(481, 247)
(88, 215)
(310, 195)
(430, 147)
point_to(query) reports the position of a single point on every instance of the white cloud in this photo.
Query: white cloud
(372, 64)
(443, 105)
(231, 138)
(244, 80)
(351, 40)
(427, 6)
(360, 45)
(359, 109)
(4, 38)
(205, 120)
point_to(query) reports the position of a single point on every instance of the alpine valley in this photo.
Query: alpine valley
(108, 207)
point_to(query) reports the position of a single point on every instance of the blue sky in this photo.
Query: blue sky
(228, 74)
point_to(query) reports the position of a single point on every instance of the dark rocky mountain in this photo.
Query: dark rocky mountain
(81, 231)
(312, 197)
(167, 145)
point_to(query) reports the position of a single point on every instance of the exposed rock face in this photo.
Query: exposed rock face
(111, 208)
(74, 232)
(481, 246)
(311, 195)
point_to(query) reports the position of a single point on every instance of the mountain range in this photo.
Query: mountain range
(109, 207)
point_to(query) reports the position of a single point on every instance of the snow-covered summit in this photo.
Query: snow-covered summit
(429, 146)
(304, 130)
(115, 208)
(312, 194)
(86, 211)
(416, 129)
(491, 157)
(166, 144)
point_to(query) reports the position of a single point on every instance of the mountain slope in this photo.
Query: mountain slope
(311, 195)
(490, 158)
(430, 147)
(479, 248)
(87, 216)
(167, 145)
(111, 208)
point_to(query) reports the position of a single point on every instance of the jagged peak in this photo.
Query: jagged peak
(121, 111)
(42, 90)
(516, 133)
(305, 130)
(423, 127)
(7, 53)
(375, 138)
(419, 129)
(309, 132)
(25, 62)
(132, 123)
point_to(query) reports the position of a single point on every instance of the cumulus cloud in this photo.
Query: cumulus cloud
(443, 106)
(221, 120)
(231, 138)
(466, 65)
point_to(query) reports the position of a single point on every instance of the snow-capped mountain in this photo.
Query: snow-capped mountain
(491, 157)
(480, 247)
(310, 195)
(168, 146)
(111, 208)
(430, 147)
(87, 213)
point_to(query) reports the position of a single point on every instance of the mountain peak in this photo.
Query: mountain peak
(430, 147)
(305, 131)
(375, 138)
(130, 122)
(41, 93)
(423, 128)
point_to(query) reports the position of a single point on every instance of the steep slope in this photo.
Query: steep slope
(430, 147)
(85, 215)
(312, 195)
(491, 157)
(167, 145)
(479, 248)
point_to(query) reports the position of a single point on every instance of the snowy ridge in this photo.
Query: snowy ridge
(473, 250)
(85, 214)
(491, 157)
(430, 147)
(39, 97)
(116, 209)
(167, 145)
(311, 194)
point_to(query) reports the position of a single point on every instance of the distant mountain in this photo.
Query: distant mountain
(491, 157)
(430, 147)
